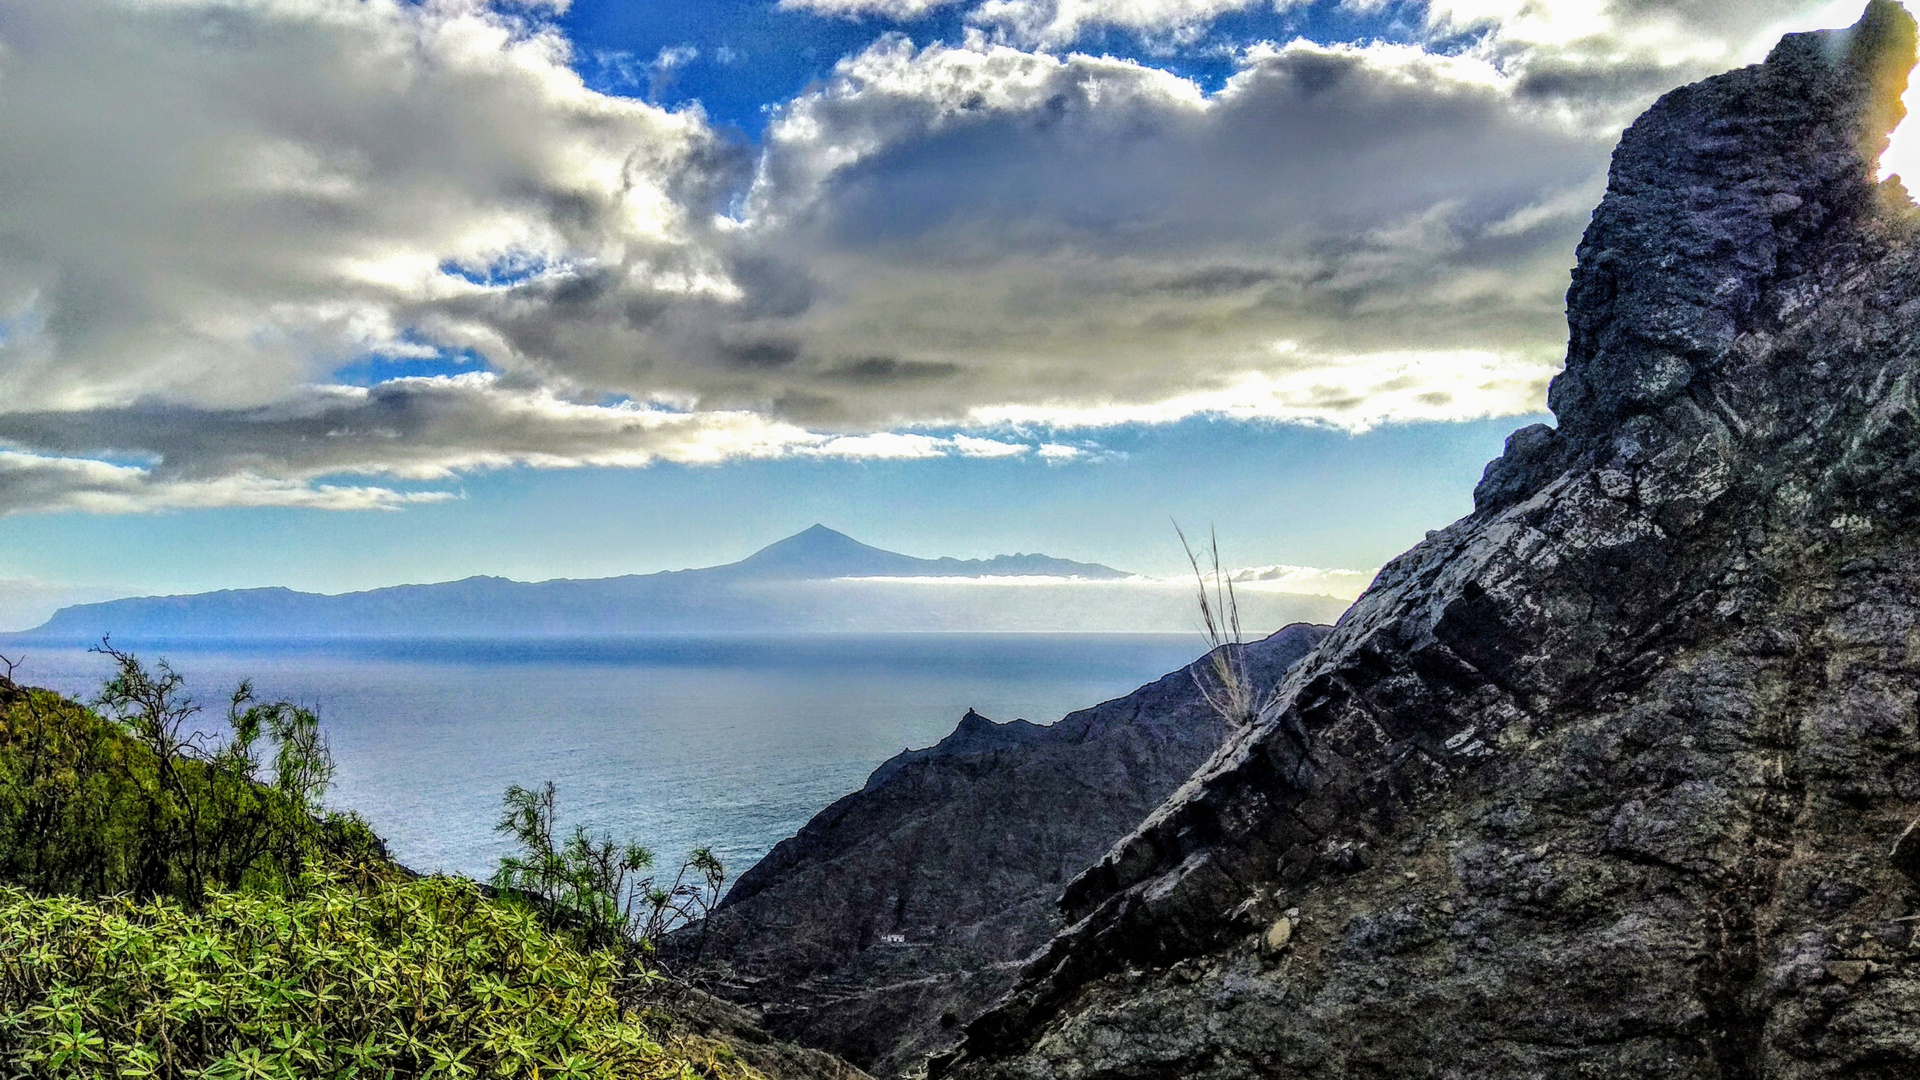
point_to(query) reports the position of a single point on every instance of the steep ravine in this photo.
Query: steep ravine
(1601, 780)
(905, 908)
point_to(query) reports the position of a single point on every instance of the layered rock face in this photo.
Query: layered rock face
(904, 909)
(688, 1011)
(1603, 779)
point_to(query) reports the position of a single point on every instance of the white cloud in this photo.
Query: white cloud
(1038, 605)
(883, 446)
(896, 10)
(213, 204)
(969, 446)
(1640, 46)
(909, 446)
(1247, 582)
(1674, 32)
(1608, 31)
(1048, 232)
(213, 200)
(1057, 23)
(1269, 597)
(1603, 62)
(1303, 581)
(303, 452)
(1356, 393)
(41, 482)
(676, 56)
(1610, 58)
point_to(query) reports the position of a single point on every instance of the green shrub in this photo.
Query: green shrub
(131, 803)
(367, 975)
(596, 887)
(246, 935)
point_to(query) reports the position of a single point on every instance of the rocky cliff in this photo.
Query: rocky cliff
(904, 909)
(1601, 780)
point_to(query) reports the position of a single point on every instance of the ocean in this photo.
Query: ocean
(729, 742)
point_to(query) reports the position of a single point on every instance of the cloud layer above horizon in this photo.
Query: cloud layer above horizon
(332, 253)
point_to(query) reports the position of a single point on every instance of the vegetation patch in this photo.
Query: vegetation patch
(242, 932)
(141, 801)
(351, 974)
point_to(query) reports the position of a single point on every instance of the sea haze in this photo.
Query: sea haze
(818, 581)
(733, 741)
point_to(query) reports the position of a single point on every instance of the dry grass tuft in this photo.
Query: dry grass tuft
(1222, 676)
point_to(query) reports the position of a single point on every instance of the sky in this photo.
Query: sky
(344, 293)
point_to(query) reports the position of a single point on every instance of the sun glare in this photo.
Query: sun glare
(1903, 153)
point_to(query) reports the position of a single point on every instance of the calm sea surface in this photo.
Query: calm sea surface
(675, 742)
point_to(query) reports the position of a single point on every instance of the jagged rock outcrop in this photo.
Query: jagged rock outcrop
(904, 909)
(685, 1010)
(1603, 779)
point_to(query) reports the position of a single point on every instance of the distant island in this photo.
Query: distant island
(818, 580)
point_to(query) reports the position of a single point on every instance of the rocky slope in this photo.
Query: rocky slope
(686, 1010)
(1603, 779)
(903, 910)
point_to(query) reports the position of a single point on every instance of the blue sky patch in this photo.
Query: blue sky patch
(375, 368)
(514, 268)
(742, 58)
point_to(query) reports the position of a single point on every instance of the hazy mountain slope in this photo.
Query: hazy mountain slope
(766, 591)
(959, 850)
(1602, 779)
(820, 552)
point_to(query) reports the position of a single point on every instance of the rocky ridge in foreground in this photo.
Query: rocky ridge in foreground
(904, 909)
(1602, 779)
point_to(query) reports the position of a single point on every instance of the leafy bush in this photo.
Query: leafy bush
(246, 935)
(134, 802)
(366, 975)
(597, 886)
